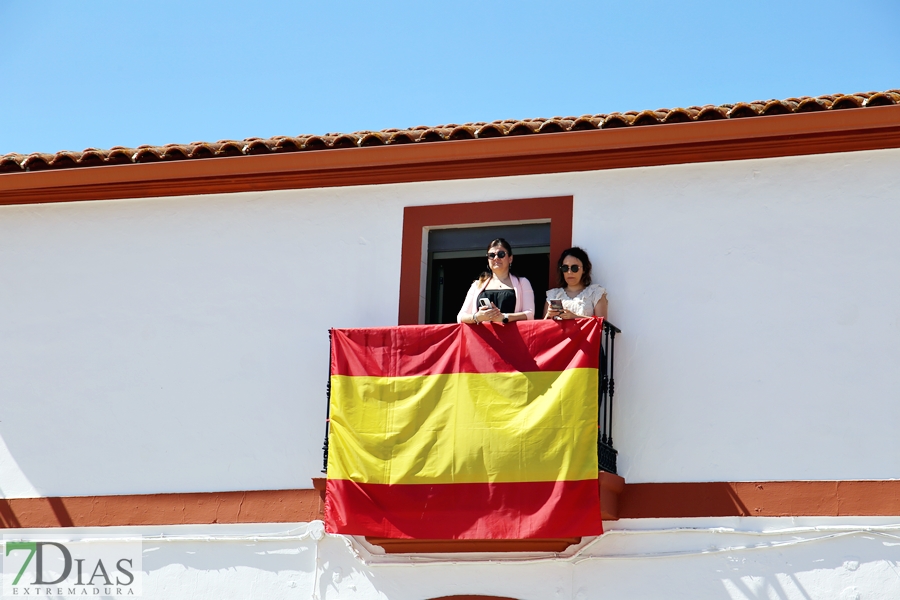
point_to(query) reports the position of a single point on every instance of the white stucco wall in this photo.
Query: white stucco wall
(180, 344)
(715, 559)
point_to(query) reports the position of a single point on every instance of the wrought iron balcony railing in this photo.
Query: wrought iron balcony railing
(606, 453)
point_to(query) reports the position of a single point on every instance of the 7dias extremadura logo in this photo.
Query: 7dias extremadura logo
(53, 567)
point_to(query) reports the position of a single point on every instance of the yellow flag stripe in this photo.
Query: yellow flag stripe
(464, 428)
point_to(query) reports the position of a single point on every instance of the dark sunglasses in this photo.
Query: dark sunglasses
(500, 254)
(565, 268)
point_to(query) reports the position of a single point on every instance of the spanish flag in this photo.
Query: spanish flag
(465, 432)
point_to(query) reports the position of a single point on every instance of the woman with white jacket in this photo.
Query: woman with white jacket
(498, 296)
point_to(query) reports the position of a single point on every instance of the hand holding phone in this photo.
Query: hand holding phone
(484, 303)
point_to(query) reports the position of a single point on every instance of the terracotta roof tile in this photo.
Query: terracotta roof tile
(491, 130)
(462, 132)
(813, 105)
(523, 128)
(744, 109)
(37, 162)
(92, 157)
(712, 113)
(147, 154)
(615, 120)
(883, 99)
(229, 148)
(347, 140)
(681, 115)
(403, 137)
(778, 107)
(854, 101)
(649, 117)
(118, 155)
(176, 152)
(431, 135)
(316, 142)
(11, 163)
(586, 123)
(287, 144)
(258, 146)
(555, 125)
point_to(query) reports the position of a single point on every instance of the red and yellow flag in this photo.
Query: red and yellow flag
(464, 432)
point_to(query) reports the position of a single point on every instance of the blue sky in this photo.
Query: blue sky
(100, 74)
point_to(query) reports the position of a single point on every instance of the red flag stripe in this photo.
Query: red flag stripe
(472, 511)
(523, 346)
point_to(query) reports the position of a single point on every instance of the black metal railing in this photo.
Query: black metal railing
(327, 408)
(606, 453)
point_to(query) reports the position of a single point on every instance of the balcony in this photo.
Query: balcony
(546, 361)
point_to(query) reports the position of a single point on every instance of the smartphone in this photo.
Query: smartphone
(555, 304)
(484, 303)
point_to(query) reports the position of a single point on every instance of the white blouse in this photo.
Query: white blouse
(582, 304)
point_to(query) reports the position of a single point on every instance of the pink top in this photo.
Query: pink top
(524, 297)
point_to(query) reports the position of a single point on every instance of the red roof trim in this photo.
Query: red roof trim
(223, 148)
(732, 138)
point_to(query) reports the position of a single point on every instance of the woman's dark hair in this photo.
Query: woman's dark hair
(487, 274)
(581, 255)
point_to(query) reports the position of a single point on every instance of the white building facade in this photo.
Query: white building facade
(164, 354)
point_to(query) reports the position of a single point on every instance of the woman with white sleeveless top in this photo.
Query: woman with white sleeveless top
(580, 297)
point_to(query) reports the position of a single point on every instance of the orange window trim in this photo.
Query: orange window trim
(416, 219)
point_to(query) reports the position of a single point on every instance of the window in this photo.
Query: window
(420, 221)
(456, 257)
